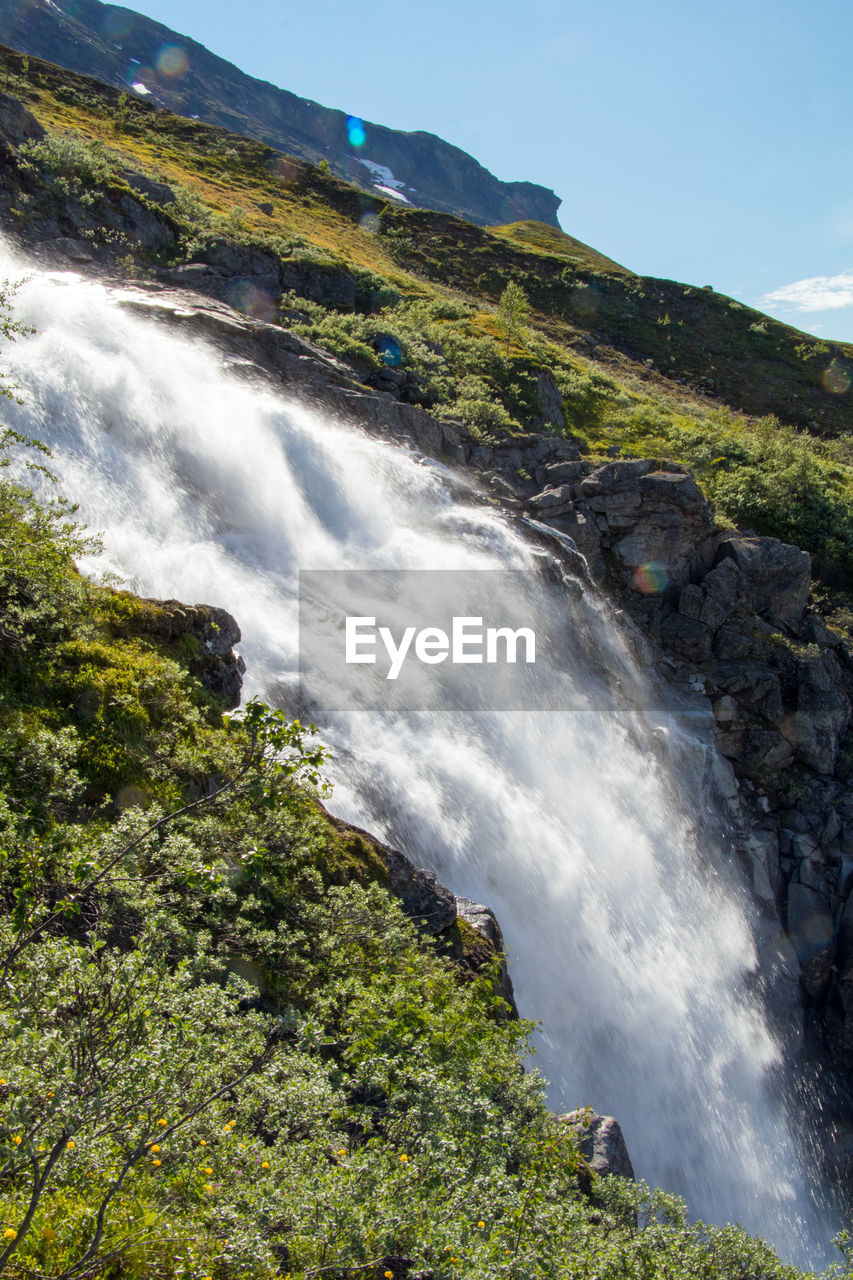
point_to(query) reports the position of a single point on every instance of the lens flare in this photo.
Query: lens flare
(286, 171)
(132, 797)
(172, 62)
(390, 352)
(117, 24)
(252, 301)
(369, 222)
(651, 579)
(584, 298)
(836, 379)
(139, 77)
(356, 131)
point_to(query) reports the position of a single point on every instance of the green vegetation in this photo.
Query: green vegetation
(513, 312)
(434, 285)
(225, 1051)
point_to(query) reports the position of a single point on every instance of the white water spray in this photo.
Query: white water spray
(623, 939)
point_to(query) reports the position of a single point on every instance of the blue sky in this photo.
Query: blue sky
(709, 143)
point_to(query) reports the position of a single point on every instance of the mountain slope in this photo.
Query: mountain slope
(127, 49)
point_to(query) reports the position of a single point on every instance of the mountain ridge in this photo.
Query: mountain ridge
(179, 73)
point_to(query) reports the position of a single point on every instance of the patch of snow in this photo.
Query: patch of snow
(389, 191)
(385, 175)
(140, 87)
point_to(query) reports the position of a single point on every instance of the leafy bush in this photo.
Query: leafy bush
(69, 166)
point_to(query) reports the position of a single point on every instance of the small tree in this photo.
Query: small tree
(513, 312)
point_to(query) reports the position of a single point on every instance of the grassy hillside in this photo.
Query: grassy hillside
(119, 46)
(645, 367)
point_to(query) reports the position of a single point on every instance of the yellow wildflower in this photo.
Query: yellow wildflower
(342, 1151)
(481, 1225)
(205, 1168)
(157, 1163)
(2, 1081)
(17, 1139)
(48, 1233)
(389, 1275)
(154, 1148)
(162, 1122)
(208, 1186)
(10, 1234)
(70, 1144)
(404, 1159)
(42, 1148)
(203, 1142)
(265, 1164)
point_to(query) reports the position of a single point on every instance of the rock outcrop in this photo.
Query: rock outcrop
(466, 931)
(601, 1143)
(17, 125)
(214, 632)
(488, 946)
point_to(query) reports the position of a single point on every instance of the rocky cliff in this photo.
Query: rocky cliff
(133, 52)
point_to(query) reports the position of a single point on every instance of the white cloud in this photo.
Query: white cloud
(819, 293)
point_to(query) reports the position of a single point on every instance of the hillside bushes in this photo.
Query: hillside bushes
(225, 1052)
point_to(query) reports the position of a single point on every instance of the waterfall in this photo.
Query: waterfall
(583, 828)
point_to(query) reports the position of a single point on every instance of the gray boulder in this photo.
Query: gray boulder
(652, 514)
(484, 921)
(778, 576)
(601, 1143)
(17, 124)
(160, 192)
(550, 400)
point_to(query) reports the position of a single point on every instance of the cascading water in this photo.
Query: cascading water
(626, 943)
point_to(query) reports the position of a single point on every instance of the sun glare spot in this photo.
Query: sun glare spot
(172, 62)
(836, 379)
(651, 579)
(356, 131)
